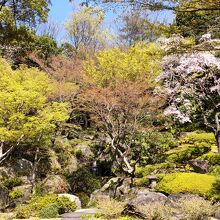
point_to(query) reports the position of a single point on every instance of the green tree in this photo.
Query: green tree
(27, 118)
(85, 31)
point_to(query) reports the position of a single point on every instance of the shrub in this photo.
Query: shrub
(198, 138)
(22, 212)
(84, 198)
(49, 211)
(83, 181)
(213, 158)
(12, 182)
(201, 184)
(110, 207)
(65, 205)
(15, 193)
(185, 153)
(215, 170)
(196, 208)
(148, 169)
(48, 203)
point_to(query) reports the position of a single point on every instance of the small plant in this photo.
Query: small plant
(49, 211)
(65, 205)
(110, 207)
(196, 208)
(15, 194)
(22, 212)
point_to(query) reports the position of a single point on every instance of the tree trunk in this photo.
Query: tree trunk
(217, 137)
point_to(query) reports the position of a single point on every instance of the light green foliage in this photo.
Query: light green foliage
(201, 184)
(15, 193)
(85, 31)
(46, 206)
(140, 62)
(198, 139)
(213, 158)
(144, 171)
(24, 108)
(191, 146)
(12, 182)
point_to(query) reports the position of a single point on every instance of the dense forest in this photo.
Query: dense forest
(110, 123)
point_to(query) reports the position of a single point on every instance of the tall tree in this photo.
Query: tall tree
(121, 100)
(191, 80)
(27, 118)
(85, 31)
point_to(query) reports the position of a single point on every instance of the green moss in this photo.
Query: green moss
(201, 184)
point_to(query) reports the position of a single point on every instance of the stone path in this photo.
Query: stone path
(79, 214)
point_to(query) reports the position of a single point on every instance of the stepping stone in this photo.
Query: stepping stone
(79, 214)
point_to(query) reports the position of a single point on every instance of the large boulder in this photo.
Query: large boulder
(200, 166)
(144, 197)
(72, 165)
(72, 198)
(6, 172)
(55, 184)
(85, 150)
(4, 197)
(22, 167)
(141, 199)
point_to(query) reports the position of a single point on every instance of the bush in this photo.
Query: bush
(83, 181)
(110, 207)
(213, 158)
(196, 208)
(84, 198)
(49, 211)
(65, 205)
(15, 194)
(185, 153)
(12, 182)
(198, 139)
(22, 212)
(201, 184)
(148, 169)
(47, 202)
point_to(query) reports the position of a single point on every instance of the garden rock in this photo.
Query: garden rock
(98, 195)
(200, 166)
(22, 167)
(217, 214)
(4, 197)
(148, 198)
(72, 198)
(55, 184)
(85, 149)
(6, 173)
(72, 165)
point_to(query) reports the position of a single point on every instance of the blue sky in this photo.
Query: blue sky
(62, 9)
